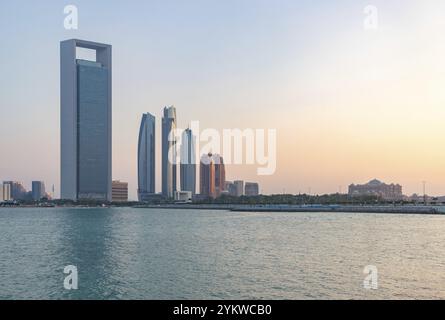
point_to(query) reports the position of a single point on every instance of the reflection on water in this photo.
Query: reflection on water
(187, 254)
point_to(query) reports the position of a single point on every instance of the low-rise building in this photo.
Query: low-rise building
(251, 189)
(239, 187)
(377, 188)
(119, 191)
(183, 196)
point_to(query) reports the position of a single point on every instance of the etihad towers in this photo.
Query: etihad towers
(169, 170)
(85, 92)
(146, 157)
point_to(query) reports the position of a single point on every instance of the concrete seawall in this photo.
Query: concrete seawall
(291, 208)
(348, 209)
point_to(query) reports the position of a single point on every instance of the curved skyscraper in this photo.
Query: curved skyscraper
(146, 157)
(169, 152)
(188, 162)
(85, 94)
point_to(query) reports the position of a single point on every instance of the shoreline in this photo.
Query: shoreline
(382, 209)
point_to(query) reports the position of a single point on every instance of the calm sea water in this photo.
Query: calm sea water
(187, 254)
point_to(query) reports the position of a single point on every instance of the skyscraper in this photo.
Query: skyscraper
(85, 122)
(146, 157)
(169, 152)
(207, 176)
(220, 174)
(38, 190)
(188, 162)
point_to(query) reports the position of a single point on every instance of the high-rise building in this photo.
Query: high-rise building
(239, 185)
(251, 189)
(17, 190)
(188, 162)
(207, 176)
(85, 122)
(169, 171)
(38, 190)
(220, 174)
(146, 157)
(119, 191)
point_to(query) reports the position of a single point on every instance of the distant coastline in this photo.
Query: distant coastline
(344, 208)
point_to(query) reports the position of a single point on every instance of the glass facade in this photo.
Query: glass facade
(169, 184)
(188, 162)
(38, 190)
(146, 157)
(92, 130)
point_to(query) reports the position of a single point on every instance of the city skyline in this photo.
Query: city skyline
(370, 107)
(218, 158)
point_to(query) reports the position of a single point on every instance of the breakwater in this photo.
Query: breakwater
(304, 208)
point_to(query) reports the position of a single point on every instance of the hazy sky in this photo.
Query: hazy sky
(349, 104)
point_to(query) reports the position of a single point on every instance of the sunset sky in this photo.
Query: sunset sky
(349, 104)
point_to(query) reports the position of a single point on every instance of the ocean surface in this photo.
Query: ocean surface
(188, 254)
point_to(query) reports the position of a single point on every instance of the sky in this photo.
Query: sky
(349, 104)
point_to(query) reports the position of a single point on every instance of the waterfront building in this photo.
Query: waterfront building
(220, 174)
(16, 190)
(207, 176)
(169, 171)
(377, 188)
(5, 192)
(239, 187)
(183, 196)
(230, 188)
(146, 157)
(38, 190)
(251, 189)
(188, 162)
(85, 89)
(119, 191)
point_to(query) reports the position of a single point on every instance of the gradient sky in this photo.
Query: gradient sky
(348, 104)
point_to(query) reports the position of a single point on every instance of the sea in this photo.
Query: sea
(132, 253)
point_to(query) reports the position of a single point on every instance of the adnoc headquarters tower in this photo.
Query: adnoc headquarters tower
(85, 91)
